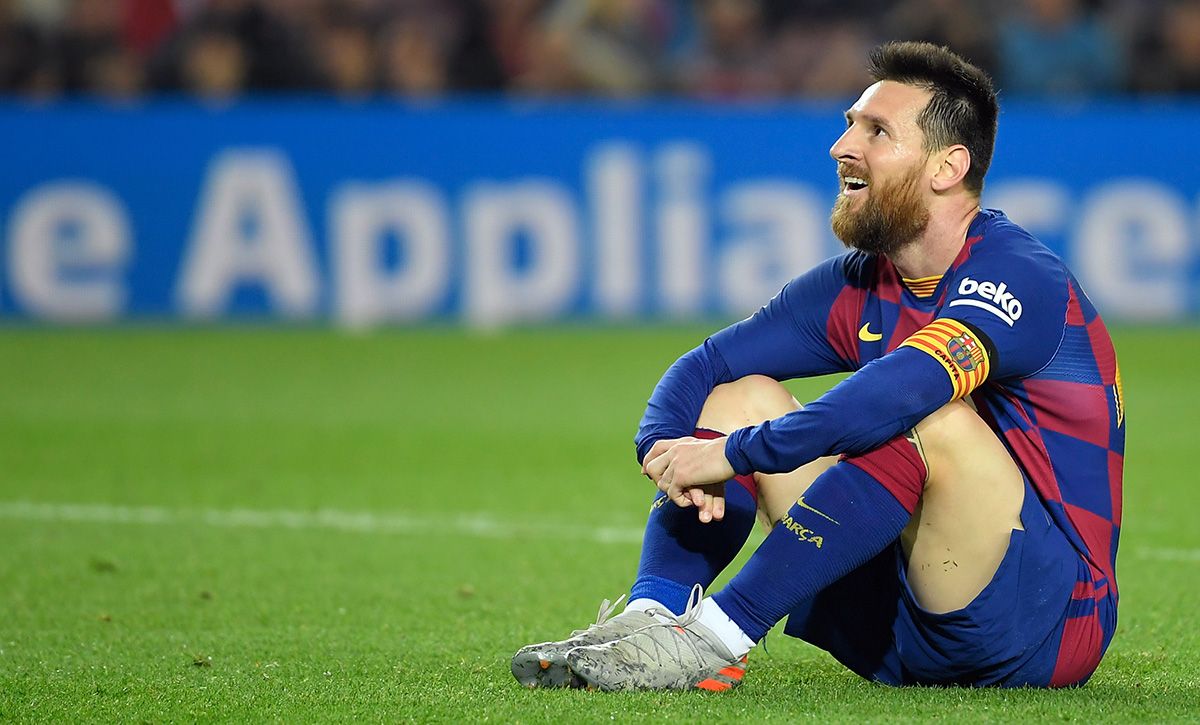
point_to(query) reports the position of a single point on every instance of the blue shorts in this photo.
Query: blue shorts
(1008, 636)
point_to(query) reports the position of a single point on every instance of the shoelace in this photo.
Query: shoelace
(690, 614)
(693, 612)
(606, 611)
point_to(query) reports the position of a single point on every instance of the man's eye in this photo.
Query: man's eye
(878, 131)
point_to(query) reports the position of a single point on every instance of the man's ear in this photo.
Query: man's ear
(953, 166)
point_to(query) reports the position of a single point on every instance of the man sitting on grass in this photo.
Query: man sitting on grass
(949, 513)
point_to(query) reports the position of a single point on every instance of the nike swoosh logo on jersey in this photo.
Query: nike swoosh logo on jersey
(865, 334)
(801, 504)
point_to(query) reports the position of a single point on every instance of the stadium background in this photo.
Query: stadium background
(260, 460)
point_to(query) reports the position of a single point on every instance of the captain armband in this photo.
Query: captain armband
(958, 349)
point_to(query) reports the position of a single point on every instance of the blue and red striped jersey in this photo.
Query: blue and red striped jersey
(1007, 325)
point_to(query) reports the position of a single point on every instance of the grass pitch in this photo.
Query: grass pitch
(303, 525)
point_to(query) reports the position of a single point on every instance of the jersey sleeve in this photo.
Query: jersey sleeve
(784, 339)
(883, 399)
(788, 338)
(1004, 314)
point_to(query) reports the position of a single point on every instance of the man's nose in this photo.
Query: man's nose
(844, 148)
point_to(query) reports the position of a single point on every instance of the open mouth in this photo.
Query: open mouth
(853, 183)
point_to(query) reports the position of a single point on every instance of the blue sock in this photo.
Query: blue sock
(678, 551)
(844, 519)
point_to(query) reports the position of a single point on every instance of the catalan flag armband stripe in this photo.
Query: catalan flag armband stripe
(959, 351)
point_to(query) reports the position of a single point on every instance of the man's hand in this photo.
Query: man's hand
(692, 472)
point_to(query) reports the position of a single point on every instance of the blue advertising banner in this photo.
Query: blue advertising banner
(495, 212)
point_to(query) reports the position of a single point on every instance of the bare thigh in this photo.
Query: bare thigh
(972, 501)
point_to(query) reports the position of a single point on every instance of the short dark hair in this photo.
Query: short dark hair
(963, 109)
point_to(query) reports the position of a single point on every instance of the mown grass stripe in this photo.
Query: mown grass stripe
(479, 524)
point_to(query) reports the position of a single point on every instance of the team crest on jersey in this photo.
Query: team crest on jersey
(964, 351)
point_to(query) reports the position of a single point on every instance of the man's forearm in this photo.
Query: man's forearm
(679, 397)
(867, 409)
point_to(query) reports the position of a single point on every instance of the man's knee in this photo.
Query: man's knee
(745, 401)
(955, 435)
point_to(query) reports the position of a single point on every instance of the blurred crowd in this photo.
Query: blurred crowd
(715, 49)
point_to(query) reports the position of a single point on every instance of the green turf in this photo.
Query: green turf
(199, 613)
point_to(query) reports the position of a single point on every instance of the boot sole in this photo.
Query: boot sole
(539, 669)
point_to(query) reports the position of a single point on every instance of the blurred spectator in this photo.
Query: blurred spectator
(43, 13)
(1170, 62)
(414, 56)
(347, 55)
(785, 12)
(962, 25)
(20, 50)
(734, 60)
(213, 63)
(115, 73)
(302, 13)
(682, 32)
(92, 32)
(147, 23)
(434, 46)
(716, 49)
(513, 32)
(1054, 48)
(546, 64)
(474, 63)
(615, 47)
(824, 59)
(275, 54)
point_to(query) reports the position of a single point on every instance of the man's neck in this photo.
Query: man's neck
(933, 252)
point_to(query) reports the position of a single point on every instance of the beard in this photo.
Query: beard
(892, 216)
